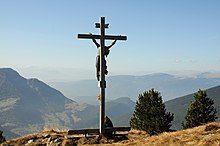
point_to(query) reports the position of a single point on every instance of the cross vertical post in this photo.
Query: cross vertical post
(102, 75)
(102, 82)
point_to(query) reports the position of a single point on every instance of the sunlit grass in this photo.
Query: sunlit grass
(206, 135)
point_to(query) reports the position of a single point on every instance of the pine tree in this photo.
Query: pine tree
(150, 114)
(200, 111)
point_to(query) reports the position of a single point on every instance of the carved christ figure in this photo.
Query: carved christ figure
(106, 52)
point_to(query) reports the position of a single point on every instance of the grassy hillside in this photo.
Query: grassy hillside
(180, 105)
(29, 105)
(206, 135)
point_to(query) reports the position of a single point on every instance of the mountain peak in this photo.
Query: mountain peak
(122, 99)
(7, 69)
(160, 75)
(31, 102)
(8, 72)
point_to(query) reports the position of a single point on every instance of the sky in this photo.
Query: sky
(38, 38)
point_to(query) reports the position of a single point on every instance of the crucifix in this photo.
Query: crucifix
(103, 68)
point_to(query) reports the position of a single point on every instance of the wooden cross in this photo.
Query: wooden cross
(102, 82)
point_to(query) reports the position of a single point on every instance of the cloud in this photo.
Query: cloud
(185, 61)
(178, 61)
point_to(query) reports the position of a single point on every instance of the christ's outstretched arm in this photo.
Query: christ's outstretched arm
(94, 41)
(108, 47)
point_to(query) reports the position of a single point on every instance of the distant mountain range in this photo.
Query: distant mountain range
(29, 105)
(169, 86)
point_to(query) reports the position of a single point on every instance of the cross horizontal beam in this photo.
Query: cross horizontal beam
(106, 37)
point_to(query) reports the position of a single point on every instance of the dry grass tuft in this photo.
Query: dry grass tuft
(138, 132)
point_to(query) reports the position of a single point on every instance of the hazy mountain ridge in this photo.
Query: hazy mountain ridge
(29, 105)
(131, 86)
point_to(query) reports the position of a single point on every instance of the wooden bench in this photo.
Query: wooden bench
(87, 132)
(84, 131)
